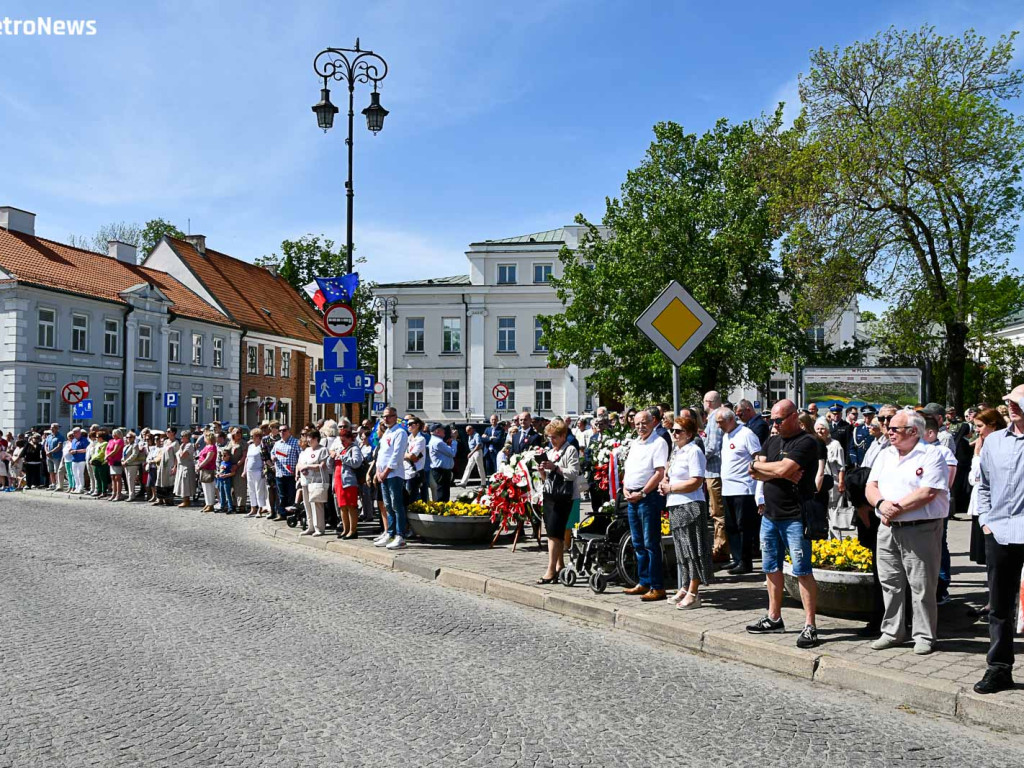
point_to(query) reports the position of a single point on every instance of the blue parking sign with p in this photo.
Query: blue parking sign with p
(500, 405)
(379, 406)
(170, 399)
(82, 410)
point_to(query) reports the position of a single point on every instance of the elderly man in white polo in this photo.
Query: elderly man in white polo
(909, 489)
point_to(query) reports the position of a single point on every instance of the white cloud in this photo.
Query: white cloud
(788, 92)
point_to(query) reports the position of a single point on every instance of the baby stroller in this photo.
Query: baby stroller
(601, 551)
(295, 516)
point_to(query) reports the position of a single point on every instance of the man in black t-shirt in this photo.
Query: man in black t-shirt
(786, 465)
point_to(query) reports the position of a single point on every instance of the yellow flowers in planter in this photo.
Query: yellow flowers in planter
(839, 555)
(449, 509)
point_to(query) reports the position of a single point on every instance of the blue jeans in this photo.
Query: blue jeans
(224, 494)
(645, 527)
(779, 535)
(285, 493)
(392, 489)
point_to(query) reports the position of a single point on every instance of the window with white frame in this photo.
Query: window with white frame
(197, 349)
(816, 335)
(197, 409)
(506, 274)
(79, 333)
(174, 346)
(450, 395)
(111, 338)
(510, 401)
(110, 408)
(145, 342)
(251, 359)
(451, 337)
(414, 334)
(506, 334)
(538, 333)
(44, 406)
(268, 361)
(172, 416)
(541, 273)
(542, 396)
(218, 354)
(46, 336)
(415, 396)
(286, 364)
(217, 410)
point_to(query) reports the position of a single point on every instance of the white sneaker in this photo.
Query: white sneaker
(381, 540)
(396, 543)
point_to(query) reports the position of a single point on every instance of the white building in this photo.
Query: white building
(131, 333)
(450, 340)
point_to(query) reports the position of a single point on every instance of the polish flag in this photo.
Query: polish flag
(313, 291)
(613, 476)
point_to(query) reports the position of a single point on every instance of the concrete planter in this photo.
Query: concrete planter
(840, 593)
(452, 530)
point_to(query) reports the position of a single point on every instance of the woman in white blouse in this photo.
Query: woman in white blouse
(840, 515)
(256, 483)
(688, 514)
(316, 481)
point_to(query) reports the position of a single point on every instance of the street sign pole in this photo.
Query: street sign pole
(675, 389)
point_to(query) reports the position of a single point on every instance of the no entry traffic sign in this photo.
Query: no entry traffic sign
(500, 392)
(74, 392)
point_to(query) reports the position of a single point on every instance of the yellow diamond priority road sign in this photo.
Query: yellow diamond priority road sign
(676, 323)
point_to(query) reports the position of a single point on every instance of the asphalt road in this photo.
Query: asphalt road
(135, 635)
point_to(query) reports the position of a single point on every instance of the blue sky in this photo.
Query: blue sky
(506, 118)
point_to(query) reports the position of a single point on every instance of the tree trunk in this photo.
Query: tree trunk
(956, 363)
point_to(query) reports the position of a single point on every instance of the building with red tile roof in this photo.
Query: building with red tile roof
(135, 334)
(281, 333)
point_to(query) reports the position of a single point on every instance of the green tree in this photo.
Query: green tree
(693, 211)
(902, 179)
(153, 232)
(316, 256)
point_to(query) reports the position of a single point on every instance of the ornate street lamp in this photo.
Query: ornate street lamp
(351, 66)
(388, 307)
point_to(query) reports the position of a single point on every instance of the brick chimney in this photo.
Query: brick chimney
(123, 252)
(16, 220)
(198, 242)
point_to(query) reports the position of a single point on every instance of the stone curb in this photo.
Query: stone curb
(936, 696)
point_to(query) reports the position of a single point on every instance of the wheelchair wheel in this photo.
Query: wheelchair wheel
(625, 561)
(567, 577)
(292, 521)
(598, 582)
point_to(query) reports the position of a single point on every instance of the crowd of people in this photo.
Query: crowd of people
(736, 484)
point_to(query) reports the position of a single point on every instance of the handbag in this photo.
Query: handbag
(316, 493)
(206, 476)
(814, 512)
(559, 487)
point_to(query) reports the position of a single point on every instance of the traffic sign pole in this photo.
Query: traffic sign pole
(675, 389)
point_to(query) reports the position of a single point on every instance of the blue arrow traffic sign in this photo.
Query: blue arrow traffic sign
(340, 354)
(82, 409)
(340, 386)
(170, 399)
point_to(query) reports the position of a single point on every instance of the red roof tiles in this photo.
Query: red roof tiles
(256, 299)
(48, 264)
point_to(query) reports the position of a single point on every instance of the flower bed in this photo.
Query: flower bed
(451, 522)
(842, 570)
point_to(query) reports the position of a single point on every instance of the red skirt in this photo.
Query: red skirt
(345, 497)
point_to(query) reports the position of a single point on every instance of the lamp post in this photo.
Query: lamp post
(388, 307)
(350, 65)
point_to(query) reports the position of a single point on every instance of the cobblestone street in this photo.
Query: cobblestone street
(132, 635)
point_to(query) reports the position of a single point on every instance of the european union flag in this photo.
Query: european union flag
(338, 289)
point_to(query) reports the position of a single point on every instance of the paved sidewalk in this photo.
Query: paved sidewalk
(940, 682)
